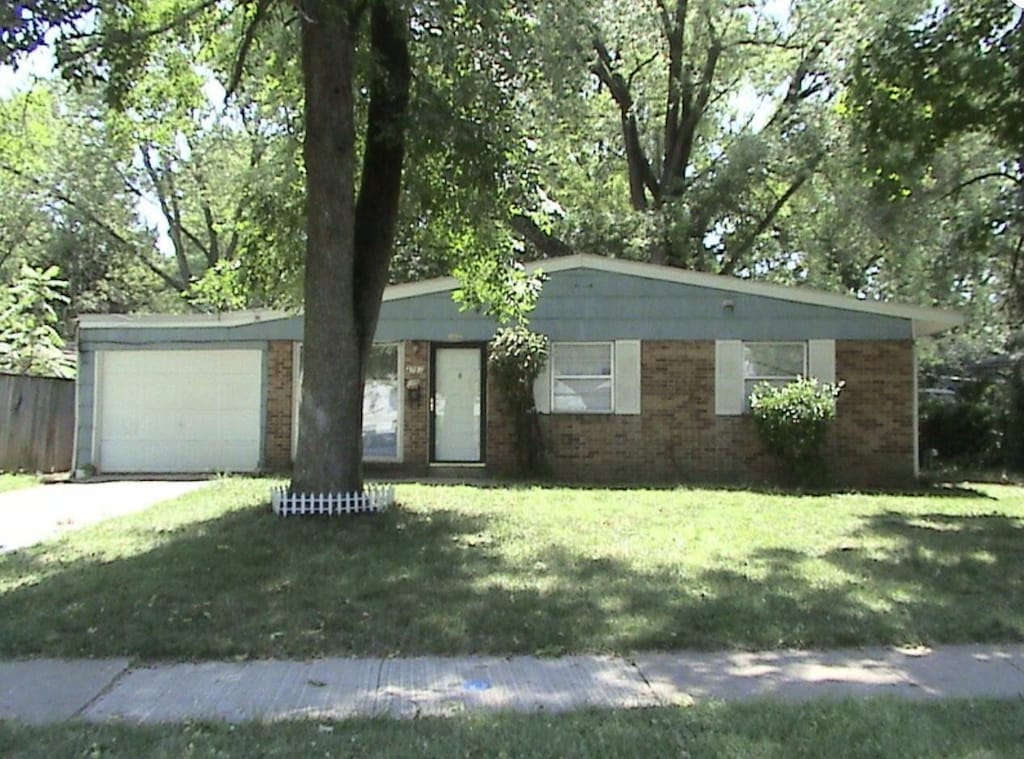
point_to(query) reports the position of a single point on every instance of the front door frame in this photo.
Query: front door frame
(482, 348)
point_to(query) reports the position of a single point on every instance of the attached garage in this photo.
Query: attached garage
(178, 410)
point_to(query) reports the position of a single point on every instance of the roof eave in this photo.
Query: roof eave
(930, 327)
(156, 321)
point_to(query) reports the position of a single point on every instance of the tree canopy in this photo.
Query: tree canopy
(936, 99)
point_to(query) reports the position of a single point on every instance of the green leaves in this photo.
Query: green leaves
(792, 420)
(923, 81)
(934, 104)
(515, 358)
(29, 341)
(497, 288)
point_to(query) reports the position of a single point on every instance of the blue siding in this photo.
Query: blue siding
(114, 338)
(84, 413)
(593, 305)
(579, 304)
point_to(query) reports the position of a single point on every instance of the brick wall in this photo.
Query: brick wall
(874, 431)
(678, 437)
(277, 453)
(416, 423)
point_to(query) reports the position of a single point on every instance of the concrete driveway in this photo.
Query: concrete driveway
(34, 514)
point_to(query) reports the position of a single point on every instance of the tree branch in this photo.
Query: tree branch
(211, 246)
(376, 210)
(141, 35)
(678, 155)
(679, 91)
(546, 243)
(100, 223)
(641, 176)
(1019, 181)
(796, 93)
(738, 253)
(248, 35)
(169, 209)
(640, 67)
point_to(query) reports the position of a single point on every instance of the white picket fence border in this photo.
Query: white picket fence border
(373, 499)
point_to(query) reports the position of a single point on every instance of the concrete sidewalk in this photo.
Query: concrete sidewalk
(46, 690)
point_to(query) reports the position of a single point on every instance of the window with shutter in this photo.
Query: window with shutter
(582, 381)
(739, 366)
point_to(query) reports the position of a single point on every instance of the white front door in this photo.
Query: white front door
(457, 403)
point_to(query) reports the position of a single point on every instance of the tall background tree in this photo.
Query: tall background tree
(936, 99)
(694, 128)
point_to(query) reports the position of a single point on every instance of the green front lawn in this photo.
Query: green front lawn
(14, 481)
(456, 570)
(834, 729)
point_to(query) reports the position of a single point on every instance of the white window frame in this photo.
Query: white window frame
(754, 379)
(610, 345)
(297, 400)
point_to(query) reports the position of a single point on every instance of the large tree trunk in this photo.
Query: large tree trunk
(349, 243)
(331, 412)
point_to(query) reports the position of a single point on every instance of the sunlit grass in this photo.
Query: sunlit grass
(10, 481)
(524, 570)
(866, 728)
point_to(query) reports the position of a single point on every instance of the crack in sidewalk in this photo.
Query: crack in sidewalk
(104, 691)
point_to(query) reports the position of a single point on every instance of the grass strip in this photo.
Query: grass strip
(834, 729)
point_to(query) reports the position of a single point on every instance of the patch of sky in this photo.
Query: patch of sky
(37, 65)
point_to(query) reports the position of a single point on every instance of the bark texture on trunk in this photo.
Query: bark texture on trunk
(377, 206)
(349, 241)
(330, 414)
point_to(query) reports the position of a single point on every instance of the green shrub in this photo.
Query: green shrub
(516, 357)
(792, 420)
(959, 431)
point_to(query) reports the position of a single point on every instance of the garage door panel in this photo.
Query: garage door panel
(179, 411)
(122, 426)
(233, 425)
(240, 387)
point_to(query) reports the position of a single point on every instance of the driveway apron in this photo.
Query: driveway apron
(31, 515)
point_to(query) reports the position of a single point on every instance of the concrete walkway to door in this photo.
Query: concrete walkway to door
(30, 515)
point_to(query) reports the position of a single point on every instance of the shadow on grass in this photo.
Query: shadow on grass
(936, 489)
(436, 582)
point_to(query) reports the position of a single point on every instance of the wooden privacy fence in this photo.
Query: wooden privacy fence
(37, 423)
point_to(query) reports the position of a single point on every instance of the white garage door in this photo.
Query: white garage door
(179, 411)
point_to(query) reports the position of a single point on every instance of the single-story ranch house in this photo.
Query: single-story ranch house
(647, 379)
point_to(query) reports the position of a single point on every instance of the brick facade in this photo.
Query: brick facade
(874, 431)
(415, 412)
(677, 437)
(277, 452)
